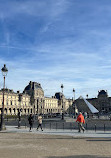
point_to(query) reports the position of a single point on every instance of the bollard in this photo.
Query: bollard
(19, 124)
(104, 127)
(56, 125)
(50, 126)
(71, 126)
(63, 126)
(25, 124)
(44, 125)
(95, 127)
(86, 126)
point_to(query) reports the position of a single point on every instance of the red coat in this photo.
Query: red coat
(80, 118)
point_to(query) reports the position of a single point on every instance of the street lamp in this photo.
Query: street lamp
(43, 107)
(62, 101)
(62, 88)
(4, 73)
(20, 111)
(74, 110)
(74, 93)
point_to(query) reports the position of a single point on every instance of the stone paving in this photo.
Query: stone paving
(20, 143)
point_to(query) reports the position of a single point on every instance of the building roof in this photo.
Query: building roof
(58, 95)
(33, 86)
(102, 93)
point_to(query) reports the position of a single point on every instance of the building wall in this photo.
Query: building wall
(12, 103)
(32, 100)
(51, 105)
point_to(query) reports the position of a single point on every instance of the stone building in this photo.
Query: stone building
(15, 102)
(51, 105)
(36, 93)
(102, 103)
(63, 103)
(32, 100)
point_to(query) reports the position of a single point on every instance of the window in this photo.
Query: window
(10, 102)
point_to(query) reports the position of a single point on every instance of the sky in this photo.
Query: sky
(56, 42)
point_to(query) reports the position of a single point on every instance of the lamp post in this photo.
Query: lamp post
(62, 101)
(4, 73)
(74, 110)
(74, 93)
(20, 111)
(43, 107)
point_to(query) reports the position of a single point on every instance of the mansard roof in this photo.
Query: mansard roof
(33, 86)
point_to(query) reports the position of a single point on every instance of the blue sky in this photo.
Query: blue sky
(56, 42)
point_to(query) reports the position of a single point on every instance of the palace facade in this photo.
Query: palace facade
(32, 100)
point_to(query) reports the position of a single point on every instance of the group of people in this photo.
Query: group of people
(31, 121)
(80, 120)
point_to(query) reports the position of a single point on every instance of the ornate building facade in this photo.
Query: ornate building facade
(15, 102)
(32, 100)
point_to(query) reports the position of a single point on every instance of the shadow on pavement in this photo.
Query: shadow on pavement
(99, 140)
(46, 138)
(103, 133)
(79, 156)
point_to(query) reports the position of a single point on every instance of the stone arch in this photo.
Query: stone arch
(14, 110)
(25, 111)
(5, 110)
(10, 111)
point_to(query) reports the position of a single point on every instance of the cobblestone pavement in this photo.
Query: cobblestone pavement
(20, 143)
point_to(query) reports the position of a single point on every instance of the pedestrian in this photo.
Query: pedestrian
(80, 120)
(40, 122)
(85, 115)
(31, 121)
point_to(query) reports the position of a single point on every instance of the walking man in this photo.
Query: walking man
(80, 120)
(31, 121)
(40, 122)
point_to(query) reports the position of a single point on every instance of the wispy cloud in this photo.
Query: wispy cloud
(54, 42)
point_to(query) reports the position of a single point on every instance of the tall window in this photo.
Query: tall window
(10, 102)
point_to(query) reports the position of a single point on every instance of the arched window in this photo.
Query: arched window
(25, 111)
(10, 102)
(14, 110)
(5, 110)
(10, 110)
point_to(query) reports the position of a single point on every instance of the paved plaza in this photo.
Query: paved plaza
(20, 143)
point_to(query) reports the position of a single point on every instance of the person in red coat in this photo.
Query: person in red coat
(81, 121)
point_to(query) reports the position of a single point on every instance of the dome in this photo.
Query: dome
(102, 93)
(59, 95)
(33, 86)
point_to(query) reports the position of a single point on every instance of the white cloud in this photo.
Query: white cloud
(68, 47)
(36, 8)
